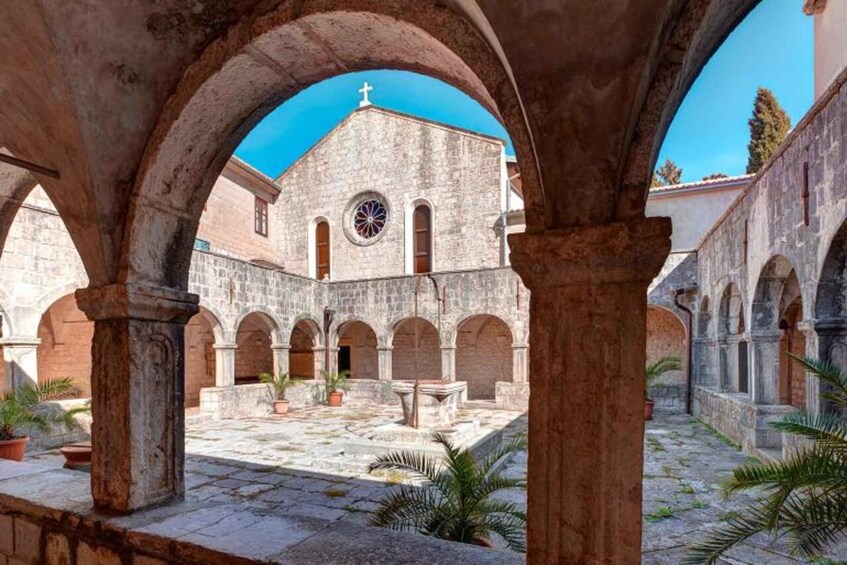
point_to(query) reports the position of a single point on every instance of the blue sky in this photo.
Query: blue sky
(771, 48)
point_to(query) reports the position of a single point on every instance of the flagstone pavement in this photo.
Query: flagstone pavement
(296, 465)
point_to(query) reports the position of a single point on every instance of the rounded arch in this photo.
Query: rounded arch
(266, 315)
(356, 341)
(312, 241)
(202, 331)
(731, 311)
(65, 335)
(483, 354)
(667, 337)
(704, 319)
(15, 186)
(831, 296)
(403, 362)
(237, 81)
(777, 276)
(255, 333)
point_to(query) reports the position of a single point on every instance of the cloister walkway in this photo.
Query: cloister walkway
(295, 466)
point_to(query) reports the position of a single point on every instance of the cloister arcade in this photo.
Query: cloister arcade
(133, 181)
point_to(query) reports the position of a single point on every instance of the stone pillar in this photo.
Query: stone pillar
(723, 366)
(588, 310)
(385, 360)
(765, 373)
(731, 356)
(812, 384)
(832, 346)
(520, 363)
(318, 352)
(137, 384)
(20, 361)
(448, 363)
(280, 354)
(225, 364)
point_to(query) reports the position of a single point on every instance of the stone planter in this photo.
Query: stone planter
(438, 401)
(13, 449)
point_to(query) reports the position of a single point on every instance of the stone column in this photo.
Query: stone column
(723, 366)
(385, 361)
(448, 363)
(280, 354)
(520, 363)
(588, 310)
(832, 346)
(731, 343)
(20, 361)
(318, 353)
(137, 383)
(225, 364)
(765, 373)
(812, 384)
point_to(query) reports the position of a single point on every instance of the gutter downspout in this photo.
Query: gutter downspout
(677, 293)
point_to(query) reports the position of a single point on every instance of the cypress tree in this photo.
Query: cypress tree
(768, 127)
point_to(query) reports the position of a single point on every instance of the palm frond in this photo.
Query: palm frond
(406, 508)
(661, 366)
(410, 461)
(826, 429)
(518, 443)
(829, 373)
(511, 528)
(719, 541)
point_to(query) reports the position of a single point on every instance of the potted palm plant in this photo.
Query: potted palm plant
(280, 383)
(336, 383)
(456, 500)
(652, 373)
(19, 414)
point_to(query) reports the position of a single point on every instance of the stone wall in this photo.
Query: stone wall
(666, 337)
(403, 159)
(772, 246)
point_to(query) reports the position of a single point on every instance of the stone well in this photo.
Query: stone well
(438, 402)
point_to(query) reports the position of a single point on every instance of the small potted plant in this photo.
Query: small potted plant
(336, 383)
(19, 414)
(654, 371)
(280, 383)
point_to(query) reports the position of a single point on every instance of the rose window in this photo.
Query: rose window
(369, 218)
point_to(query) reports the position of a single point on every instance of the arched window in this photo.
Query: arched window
(422, 225)
(322, 249)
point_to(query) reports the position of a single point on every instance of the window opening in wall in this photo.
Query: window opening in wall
(261, 223)
(322, 250)
(423, 239)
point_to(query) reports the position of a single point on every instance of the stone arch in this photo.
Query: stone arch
(766, 307)
(254, 336)
(237, 81)
(202, 332)
(15, 186)
(65, 335)
(792, 379)
(357, 349)
(306, 348)
(666, 337)
(483, 354)
(267, 316)
(733, 362)
(704, 319)
(403, 352)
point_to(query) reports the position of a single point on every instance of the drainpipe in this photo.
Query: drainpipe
(677, 293)
(329, 314)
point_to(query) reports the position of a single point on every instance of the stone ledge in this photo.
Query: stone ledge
(54, 507)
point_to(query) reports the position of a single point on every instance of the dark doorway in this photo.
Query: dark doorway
(344, 363)
(743, 376)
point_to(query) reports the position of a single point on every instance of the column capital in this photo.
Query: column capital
(620, 252)
(385, 348)
(447, 347)
(734, 339)
(830, 326)
(137, 302)
(224, 346)
(520, 346)
(281, 346)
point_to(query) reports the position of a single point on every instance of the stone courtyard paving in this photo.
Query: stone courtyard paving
(296, 464)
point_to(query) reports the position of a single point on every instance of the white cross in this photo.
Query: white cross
(364, 90)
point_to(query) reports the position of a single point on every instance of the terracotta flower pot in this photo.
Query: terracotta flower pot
(280, 406)
(648, 409)
(334, 398)
(13, 449)
(77, 455)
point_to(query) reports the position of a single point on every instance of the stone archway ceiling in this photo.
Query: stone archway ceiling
(589, 89)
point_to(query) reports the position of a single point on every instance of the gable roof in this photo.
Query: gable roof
(393, 113)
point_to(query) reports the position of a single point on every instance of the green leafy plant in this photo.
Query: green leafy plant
(804, 497)
(336, 381)
(455, 503)
(19, 408)
(280, 383)
(658, 368)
